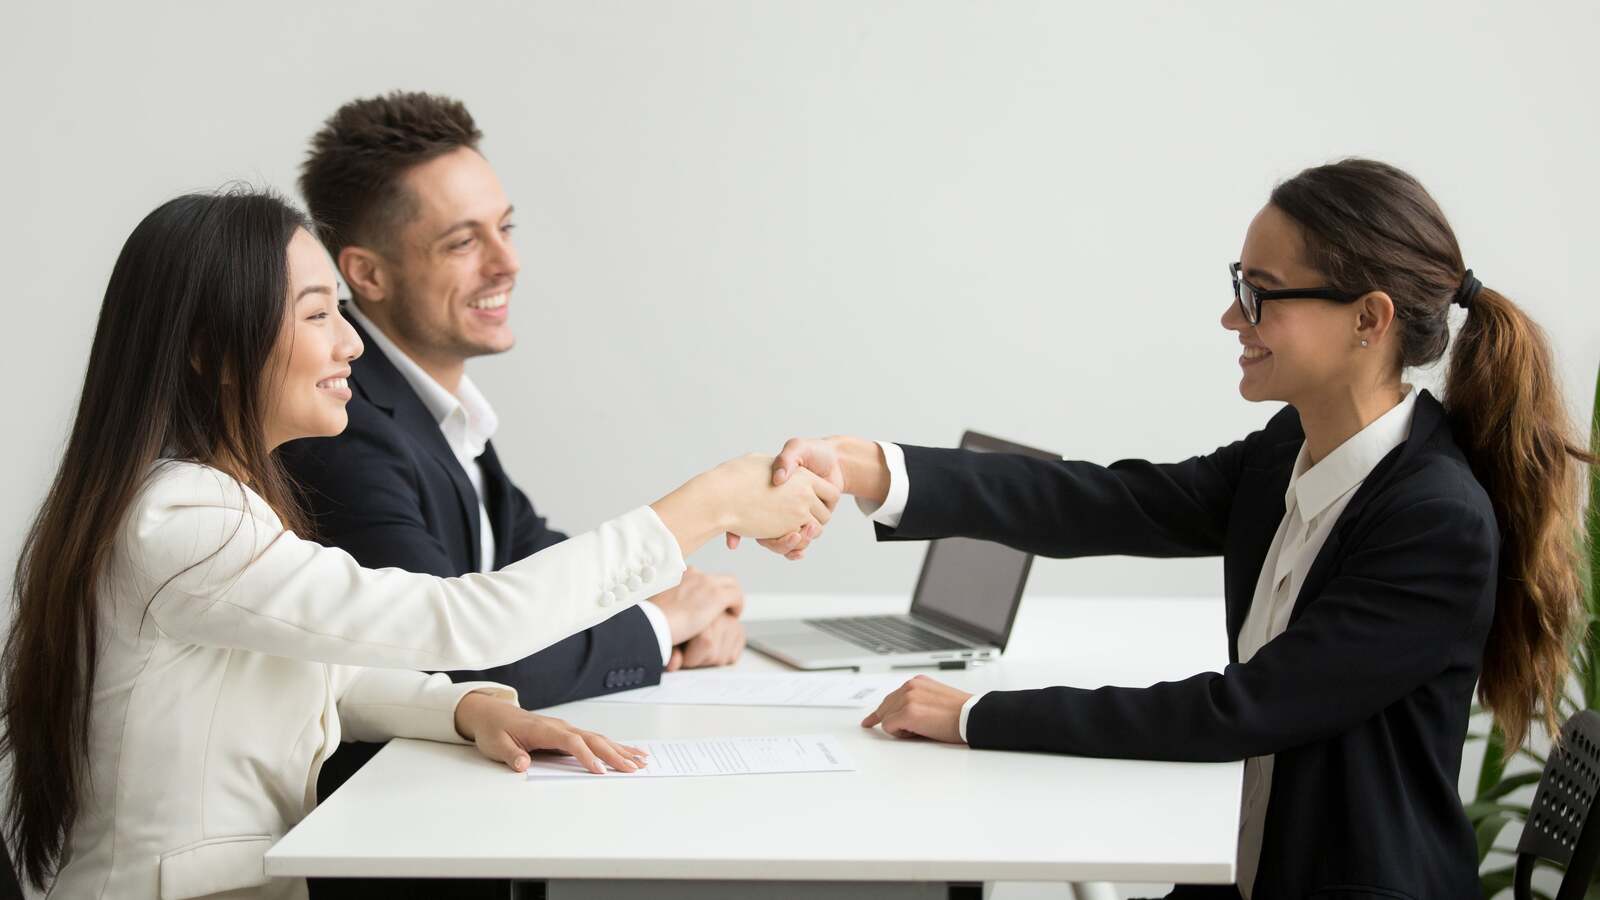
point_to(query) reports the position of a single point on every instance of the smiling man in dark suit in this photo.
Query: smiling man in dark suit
(420, 228)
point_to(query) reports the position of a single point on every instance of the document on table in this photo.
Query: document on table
(676, 757)
(763, 689)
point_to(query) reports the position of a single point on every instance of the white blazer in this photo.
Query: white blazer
(234, 656)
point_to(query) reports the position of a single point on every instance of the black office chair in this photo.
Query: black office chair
(1561, 822)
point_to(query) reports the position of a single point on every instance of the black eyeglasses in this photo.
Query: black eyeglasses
(1251, 297)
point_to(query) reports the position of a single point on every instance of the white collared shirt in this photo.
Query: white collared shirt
(465, 417)
(1316, 496)
(468, 422)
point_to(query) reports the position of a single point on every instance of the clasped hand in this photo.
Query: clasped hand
(814, 458)
(922, 707)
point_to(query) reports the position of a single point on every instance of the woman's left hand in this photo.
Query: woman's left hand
(506, 732)
(921, 707)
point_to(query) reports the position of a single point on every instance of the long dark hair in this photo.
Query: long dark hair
(1369, 226)
(178, 369)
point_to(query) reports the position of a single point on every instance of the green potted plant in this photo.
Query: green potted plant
(1493, 808)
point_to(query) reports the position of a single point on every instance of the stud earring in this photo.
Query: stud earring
(1363, 343)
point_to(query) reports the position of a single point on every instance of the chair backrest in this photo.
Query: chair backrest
(1559, 819)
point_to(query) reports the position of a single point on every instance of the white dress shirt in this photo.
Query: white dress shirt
(468, 423)
(1316, 496)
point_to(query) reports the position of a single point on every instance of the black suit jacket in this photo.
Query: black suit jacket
(390, 492)
(1364, 698)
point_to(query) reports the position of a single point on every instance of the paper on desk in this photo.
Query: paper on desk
(714, 756)
(763, 689)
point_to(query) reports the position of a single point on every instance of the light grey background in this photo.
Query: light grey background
(745, 221)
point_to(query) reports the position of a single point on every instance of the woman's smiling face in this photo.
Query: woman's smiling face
(1300, 348)
(307, 374)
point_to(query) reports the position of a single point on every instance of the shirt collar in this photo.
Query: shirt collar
(1312, 489)
(479, 417)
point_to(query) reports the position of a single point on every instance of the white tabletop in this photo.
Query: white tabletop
(913, 810)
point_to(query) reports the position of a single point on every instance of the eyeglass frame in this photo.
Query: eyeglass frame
(1261, 296)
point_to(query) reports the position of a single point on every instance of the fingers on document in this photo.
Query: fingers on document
(609, 753)
(574, 744)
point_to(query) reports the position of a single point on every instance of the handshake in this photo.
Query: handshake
(783, 502)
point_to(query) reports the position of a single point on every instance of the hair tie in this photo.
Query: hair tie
(1468, 291)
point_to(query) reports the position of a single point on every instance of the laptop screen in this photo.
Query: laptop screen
(975, 586)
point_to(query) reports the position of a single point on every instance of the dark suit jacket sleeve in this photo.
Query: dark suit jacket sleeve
(618, 654)
(530, 532)
(1063, 509)
(1395, 615)
(362, 491)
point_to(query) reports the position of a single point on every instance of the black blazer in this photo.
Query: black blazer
(390, 492)
(1365, 697)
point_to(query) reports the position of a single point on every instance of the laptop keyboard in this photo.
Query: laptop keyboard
(886, 634)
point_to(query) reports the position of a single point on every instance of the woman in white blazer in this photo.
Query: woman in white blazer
(182, 660)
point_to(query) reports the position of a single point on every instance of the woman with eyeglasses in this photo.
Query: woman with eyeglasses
(183, 659)
(1385, 553)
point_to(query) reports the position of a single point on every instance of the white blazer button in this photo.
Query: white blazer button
(607, 598)
(634, 583)
(647, 573)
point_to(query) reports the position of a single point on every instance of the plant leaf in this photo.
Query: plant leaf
(1494, 762)
(1509, 784)
(1495, 881)
(1488, 830)
(1478, 809)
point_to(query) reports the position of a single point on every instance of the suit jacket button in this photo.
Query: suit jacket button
(638, 676)
(611, 679)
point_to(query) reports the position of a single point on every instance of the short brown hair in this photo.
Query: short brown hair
(351, 177)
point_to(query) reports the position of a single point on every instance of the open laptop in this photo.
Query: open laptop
(961, 613)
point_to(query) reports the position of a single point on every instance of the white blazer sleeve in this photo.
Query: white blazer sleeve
(222, 571)
(379, 704)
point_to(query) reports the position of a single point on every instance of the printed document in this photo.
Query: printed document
(676, 757)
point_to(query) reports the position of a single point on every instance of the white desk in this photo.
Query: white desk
(913, 812)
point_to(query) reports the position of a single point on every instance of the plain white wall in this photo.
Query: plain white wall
(743, 221)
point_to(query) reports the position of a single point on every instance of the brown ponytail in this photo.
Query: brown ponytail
(1506, 406)
(1369, 226)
